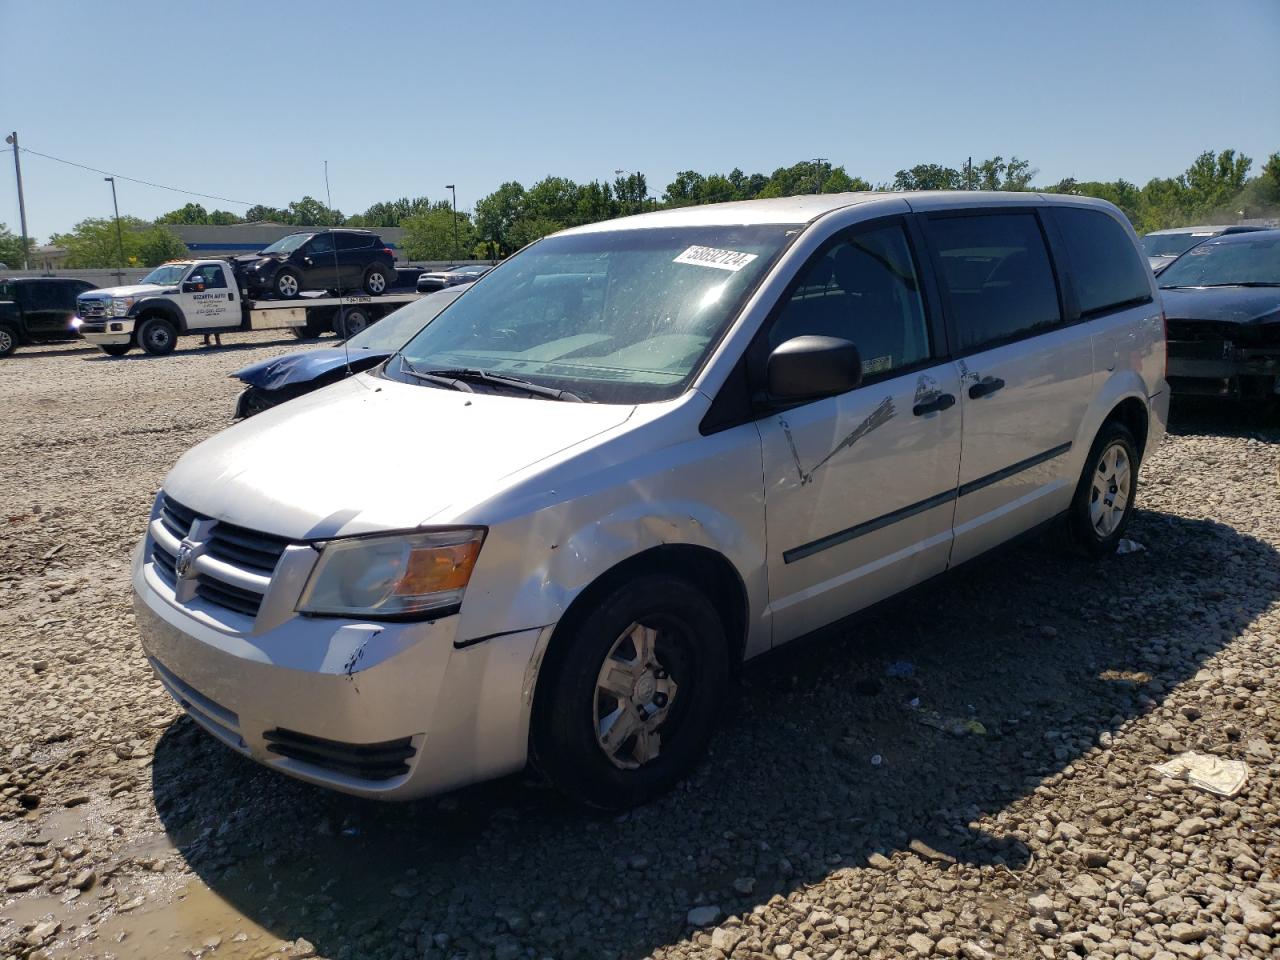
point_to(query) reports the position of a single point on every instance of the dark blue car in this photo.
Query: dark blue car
(274, 381)
(1222, 306)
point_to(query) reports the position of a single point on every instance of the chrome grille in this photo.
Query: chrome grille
(244, 556)
(91, 309)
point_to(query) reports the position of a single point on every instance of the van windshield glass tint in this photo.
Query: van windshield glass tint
(287, 244)
(1171, 244)
(619, 316)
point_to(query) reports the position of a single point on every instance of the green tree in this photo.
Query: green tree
(94, 243)
(429, 235)
(11, 247)
(310, 212)
(1213, 181)
(392, 213)
(260, 214)
(1270, 192)
(685, 189)
(631, 191)
(928, 176)
(191, 213)
(496, 215)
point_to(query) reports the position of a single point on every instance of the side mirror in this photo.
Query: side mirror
(805, 368)
(192, 286)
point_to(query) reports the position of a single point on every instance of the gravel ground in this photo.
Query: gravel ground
(831, 820)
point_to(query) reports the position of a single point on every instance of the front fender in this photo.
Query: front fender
(163, 306)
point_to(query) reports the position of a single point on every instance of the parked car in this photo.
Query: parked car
(37, 310)
(272, 382)
(1164, 246)
(638, 453)
(451, 276)
(338, 260)
(1222, 301)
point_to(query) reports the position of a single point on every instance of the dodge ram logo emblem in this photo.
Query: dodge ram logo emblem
(186, 553)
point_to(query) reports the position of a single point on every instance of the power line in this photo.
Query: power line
(145, 183)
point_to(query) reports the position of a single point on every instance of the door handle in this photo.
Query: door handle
(985, 387)
(939, 401)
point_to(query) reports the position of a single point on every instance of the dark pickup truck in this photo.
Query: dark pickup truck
(37, 310)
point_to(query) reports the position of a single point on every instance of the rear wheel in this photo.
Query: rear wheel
(349, 322)
(157, 336)
(8, 340)
(287, 284)
(1105, 494)
(375, 281)
(632, 693)
(116, 349)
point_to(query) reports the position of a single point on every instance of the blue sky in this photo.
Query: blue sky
(246, 100)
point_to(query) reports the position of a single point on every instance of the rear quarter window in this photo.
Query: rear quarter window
(1106, 269)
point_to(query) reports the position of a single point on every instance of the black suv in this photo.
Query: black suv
(38, 309)
(338, 260)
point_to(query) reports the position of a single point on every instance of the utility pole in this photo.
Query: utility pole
(22, 204)
(819, 164)
(119, 234)
(968, 174)
(453, 188)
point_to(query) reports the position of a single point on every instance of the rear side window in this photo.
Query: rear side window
(321, 243)
(997, 276)
(1106, 270)
(353, 241)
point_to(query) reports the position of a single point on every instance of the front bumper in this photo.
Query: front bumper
(316, 697)
(105, 331)
(1223, 368)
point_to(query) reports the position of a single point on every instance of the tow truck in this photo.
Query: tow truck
(203, 296)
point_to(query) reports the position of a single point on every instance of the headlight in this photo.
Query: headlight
(392, 576)
(120, 306)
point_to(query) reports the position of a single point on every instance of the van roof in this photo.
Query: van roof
(808, 207)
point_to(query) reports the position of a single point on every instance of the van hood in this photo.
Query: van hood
(369, 454)
(137, 290)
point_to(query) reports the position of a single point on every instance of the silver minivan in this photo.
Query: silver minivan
(634, 455)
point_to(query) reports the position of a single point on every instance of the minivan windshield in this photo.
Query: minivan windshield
(390, 333)
(167, 273)
(1253, 262)
(611, 316)
(287, 244)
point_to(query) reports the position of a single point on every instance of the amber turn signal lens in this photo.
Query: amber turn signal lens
(435, 569)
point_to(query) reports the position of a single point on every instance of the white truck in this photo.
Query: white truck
(201, 297)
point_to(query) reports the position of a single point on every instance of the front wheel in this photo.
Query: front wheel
(287, 284)
(157, 336)
(116, 349)
(1104, 497)
(375, 281)
(632, 693)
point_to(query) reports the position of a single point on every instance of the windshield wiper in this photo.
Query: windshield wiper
(426, 376)
(1245, 283)
(464, 374)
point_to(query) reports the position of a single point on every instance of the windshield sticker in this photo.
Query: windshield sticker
(878, 365)
(713, 257)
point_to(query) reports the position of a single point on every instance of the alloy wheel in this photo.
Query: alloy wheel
(287, 285)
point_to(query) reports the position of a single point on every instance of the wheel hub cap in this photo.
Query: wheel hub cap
(1110, 490)
(633, 698)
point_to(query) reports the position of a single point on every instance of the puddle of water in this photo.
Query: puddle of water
(196, 918)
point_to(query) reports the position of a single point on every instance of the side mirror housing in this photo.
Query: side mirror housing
(809, 367)
(192, 286)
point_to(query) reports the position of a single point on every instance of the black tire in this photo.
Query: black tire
(157, 336)
(8, 339)
(692, 650)
(349, 322)
(376, 281)
(307, 331)
(1091, 520)
(287, 284)
(256, 400)
(116, 349)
